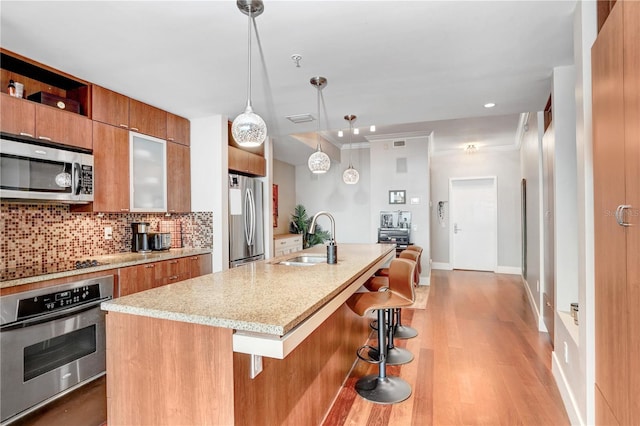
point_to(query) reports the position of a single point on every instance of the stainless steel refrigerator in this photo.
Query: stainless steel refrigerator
(246, 230)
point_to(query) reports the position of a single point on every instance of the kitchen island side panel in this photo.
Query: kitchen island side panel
(163, 372)
(299, 389)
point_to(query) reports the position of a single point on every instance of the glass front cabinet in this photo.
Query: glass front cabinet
(148, 171)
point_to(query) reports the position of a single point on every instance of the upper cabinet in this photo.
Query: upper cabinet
(178, 178)
(178, 129)
(148, 173)
(247, 161)
(147, 119)
(109, 107)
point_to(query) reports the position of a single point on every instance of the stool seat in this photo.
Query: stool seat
(361, 303)
(376, 283)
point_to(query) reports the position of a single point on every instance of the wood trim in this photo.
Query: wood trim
(604, 8)
(148, 385)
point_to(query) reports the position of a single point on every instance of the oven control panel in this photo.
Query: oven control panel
(58, 300)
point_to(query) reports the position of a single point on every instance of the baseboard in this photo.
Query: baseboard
(534, 307)
(513, 270)
(565, 391)
(442, 266)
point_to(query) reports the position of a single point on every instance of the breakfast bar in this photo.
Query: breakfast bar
(266, 343)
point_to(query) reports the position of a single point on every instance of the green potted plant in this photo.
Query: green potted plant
(300, 223)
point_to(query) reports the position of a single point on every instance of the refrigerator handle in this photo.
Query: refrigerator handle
(252, 207)
(246, 218)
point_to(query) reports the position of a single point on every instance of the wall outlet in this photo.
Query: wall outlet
(108, 233)
(256, 365)
(566, 353)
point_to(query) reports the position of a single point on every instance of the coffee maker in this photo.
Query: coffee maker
(140, 240)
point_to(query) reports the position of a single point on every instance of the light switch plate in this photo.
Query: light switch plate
(108, 233)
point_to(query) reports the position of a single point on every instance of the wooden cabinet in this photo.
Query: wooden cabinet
(111, 168)
(178, 178)
(26, 118)
(285, 244)
(63, 127)
(17, 116)
(246, 162)
(616, 174)
(147, 119)
(133, 279)
(109, 107)
(178, 129)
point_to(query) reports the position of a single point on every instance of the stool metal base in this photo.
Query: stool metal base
(405, 332)
(383, 390)
(395, 356)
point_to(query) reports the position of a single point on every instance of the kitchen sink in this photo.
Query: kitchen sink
(304, 260)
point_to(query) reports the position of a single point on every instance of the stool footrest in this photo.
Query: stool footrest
(370, 358)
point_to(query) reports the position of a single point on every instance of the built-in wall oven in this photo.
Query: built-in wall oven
(52, 340)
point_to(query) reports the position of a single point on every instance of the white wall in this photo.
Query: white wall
(385, 177)
(350, 205)
(209, 186)
(505, 164)
(284, 175)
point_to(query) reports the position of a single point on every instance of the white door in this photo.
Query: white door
(473, 225)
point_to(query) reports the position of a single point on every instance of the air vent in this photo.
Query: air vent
(300, 118)
(398, 144)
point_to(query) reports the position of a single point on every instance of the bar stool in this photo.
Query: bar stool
(419, 250)
(376, 283)
(384, 272)
(380, 388)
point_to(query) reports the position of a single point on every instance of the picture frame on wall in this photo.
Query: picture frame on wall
(397, 197)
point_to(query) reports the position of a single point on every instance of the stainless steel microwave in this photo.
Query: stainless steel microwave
(35, 172)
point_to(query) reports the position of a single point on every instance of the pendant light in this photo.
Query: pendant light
(249, 129)
(351, 175)
(319, 162)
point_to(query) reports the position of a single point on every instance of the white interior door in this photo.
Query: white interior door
(473, 225)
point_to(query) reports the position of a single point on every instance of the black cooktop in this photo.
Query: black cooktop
(34, 270)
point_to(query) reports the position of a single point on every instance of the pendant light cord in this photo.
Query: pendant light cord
(249, 61)
(350, 140)
(318, 134)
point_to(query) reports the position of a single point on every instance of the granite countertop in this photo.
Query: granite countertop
(263, 297)
(110, 261)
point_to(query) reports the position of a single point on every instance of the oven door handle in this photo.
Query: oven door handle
(27, 322)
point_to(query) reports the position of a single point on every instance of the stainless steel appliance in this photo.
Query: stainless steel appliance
(31, 171)
(140, 237)
(246, 230)
(395, 227)
(159, 241)
(51, 341)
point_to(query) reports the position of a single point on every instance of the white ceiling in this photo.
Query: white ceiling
(409, 67)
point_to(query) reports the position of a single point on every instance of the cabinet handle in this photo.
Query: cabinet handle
(26, 134)
(175, 277)
(124, 210)
(170, 139)
(173, 262)
(620, 214)
(194, 258)
(135, 129)
(44, 138)
(124, 126)
(150, 266)
(283, 242)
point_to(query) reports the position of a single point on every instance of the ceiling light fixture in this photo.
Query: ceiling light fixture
(249, 129)
(319, 162)
(470, 148)
(489, 105)
(340, 133)
(351, 175)
(372, 128)
(356, 131)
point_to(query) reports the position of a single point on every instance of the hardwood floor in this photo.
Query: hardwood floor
(479, 360)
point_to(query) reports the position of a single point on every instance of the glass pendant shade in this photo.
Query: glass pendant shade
(249, 129)
(319, 162)
(351, 175)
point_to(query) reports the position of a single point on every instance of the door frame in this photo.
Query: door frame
(494, 180)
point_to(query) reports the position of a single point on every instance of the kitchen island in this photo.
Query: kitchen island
(265, 343)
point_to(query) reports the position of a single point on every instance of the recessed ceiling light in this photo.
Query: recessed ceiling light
(489, 105)
(372, 128)
(300, 118)
(356, 131)
(340, 133)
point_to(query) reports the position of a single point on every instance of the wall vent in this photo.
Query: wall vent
(398, 144)
(300, 118)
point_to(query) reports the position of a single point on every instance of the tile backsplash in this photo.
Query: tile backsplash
(48, 233)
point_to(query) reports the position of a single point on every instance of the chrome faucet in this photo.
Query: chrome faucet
(332, 249)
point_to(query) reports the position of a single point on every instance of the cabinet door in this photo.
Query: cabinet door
(109, 107)
(111, 168)
(17, 116)
(178, 129)
(177, 270)
(611, 298)
(64, 127)
(178, 178)
(148, 190)
(134, 279)
(200, 265)
(257, 165)
(147, 119)
(238, 160)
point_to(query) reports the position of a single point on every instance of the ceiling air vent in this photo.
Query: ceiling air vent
(300, 118)
(398, 144)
